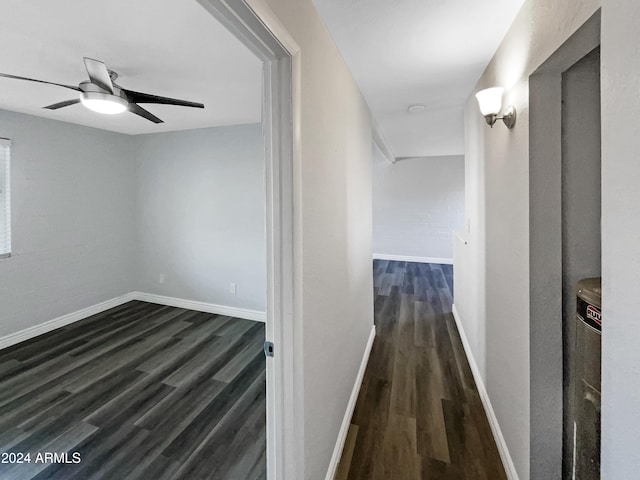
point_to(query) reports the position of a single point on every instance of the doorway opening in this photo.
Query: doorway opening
(564, 207)
(253, 23)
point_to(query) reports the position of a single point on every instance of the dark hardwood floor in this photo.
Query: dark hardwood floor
(141, 391)
(419, 415)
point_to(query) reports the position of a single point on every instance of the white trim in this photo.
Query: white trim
(507, 461)
(381, 142)
(408, 258)
(346, 421)
(67, 319)
(201, 306)
(5, 142)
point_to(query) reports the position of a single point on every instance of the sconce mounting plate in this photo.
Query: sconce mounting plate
(509, 116)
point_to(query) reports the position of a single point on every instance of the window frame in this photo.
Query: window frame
(5, 194)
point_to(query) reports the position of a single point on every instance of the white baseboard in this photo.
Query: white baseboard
(346, 421)
(507, 461)
(45, 327)
(406, 258)
(201, 306)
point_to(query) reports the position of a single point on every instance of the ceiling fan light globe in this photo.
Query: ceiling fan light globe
(104, 103)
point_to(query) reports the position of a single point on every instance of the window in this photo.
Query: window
(5, 200)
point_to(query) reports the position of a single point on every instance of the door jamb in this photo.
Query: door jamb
(259, 29)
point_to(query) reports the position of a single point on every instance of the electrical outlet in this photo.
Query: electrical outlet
(233, 288)
(162, 278)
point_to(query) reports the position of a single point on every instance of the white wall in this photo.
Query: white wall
(73, 226)
(200, 208)
(417, 203)
(495, 314)
(620, 235)
(333, 281)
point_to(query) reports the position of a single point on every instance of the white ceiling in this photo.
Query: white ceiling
(172, 48)
(429, 52)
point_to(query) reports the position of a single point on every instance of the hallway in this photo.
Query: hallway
(418, 415)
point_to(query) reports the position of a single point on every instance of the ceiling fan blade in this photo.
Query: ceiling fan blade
(98, 74)
(138, 110)
(39, 81)
(138, 97)
(66, 103)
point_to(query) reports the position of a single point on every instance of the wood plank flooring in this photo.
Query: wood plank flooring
(419, 415)
(141, 391)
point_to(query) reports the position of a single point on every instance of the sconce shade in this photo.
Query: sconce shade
(490, 100)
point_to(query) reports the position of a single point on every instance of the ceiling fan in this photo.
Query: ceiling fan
(101, 94)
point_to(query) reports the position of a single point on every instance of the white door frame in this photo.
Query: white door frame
(257, 27)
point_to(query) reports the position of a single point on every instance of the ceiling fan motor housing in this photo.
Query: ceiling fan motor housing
(88, 86)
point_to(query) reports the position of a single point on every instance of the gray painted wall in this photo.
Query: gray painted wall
(200, 207)
(73, 227)
(417, 203)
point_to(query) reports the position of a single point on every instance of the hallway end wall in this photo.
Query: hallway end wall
(417, 204)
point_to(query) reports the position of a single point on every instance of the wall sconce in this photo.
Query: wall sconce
(490, 103)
